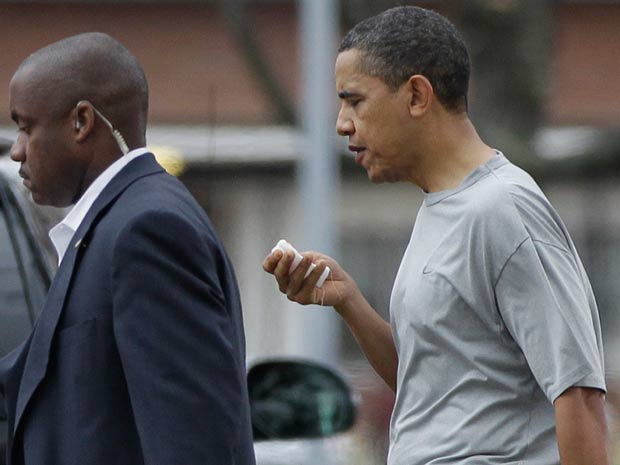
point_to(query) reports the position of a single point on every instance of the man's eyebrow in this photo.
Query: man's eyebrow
(15, 116)
(345, 94)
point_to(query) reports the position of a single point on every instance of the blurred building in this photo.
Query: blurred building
(216, 120)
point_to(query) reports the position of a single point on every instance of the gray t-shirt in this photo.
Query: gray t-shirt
(493, 318)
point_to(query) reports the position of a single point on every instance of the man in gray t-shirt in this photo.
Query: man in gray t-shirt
(502, 321)
(494, 348)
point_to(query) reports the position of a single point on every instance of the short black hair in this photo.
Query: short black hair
(408, 40)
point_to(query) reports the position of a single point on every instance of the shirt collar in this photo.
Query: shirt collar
(63, 232)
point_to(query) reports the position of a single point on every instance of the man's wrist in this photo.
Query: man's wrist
(349, 303)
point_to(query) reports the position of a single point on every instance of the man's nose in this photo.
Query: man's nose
(344, 124)
(18, 152)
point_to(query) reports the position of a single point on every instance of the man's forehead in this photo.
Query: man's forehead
(26, 78)
(27, 92)
(16, 85)
(348, 68)
(351, 79)
(349, 61)
(19, 86)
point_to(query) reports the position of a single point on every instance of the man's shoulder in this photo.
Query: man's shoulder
(504, 190)
(510, 197)
(150, 198)
(503, 186)
(157, 191)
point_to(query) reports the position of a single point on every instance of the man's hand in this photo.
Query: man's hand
(339, 291)
(336, 290)
(581, 427)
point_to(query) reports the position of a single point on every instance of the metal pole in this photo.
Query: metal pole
(319, 328)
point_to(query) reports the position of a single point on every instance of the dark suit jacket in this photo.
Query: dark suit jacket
(138, 356)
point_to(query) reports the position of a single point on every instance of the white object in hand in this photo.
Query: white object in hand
(285, 246)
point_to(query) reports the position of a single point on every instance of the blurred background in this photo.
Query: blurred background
(243, 109)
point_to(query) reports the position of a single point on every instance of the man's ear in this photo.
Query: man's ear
(421, 95)
(83, 117)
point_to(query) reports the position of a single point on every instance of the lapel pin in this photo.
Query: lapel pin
(78, 243)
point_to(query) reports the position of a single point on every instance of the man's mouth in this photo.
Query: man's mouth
(25, 179)
(359, 152)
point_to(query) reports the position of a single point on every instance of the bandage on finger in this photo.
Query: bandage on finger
(285, 246)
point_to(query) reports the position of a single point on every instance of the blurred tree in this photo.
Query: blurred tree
(510, 45)
(354, 11)
(236, 15)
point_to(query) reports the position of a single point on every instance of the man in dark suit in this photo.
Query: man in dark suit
(138, 355)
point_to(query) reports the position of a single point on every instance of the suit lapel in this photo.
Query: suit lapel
(45, 327)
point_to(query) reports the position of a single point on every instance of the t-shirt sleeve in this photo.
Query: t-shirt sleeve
(550, 313)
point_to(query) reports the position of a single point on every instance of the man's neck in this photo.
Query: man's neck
(454, 152)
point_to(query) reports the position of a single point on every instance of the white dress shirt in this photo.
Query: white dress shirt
(63, 232)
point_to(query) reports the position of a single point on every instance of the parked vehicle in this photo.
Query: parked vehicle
(296, 404)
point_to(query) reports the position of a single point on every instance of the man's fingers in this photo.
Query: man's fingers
(314, 276)
(271, 261)
(318, 296)
(296, 285)
(281, 272)
(302, 288)
(296, 278)
(283, 265)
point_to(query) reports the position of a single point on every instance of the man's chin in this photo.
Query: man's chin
(46, 201)
(39, 200)
(375, 178)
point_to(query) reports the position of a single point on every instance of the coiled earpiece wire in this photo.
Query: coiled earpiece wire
(115, 133)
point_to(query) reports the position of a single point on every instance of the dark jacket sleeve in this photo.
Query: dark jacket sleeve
(177, 342)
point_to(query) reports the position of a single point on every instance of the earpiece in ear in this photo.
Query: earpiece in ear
(78, 124)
